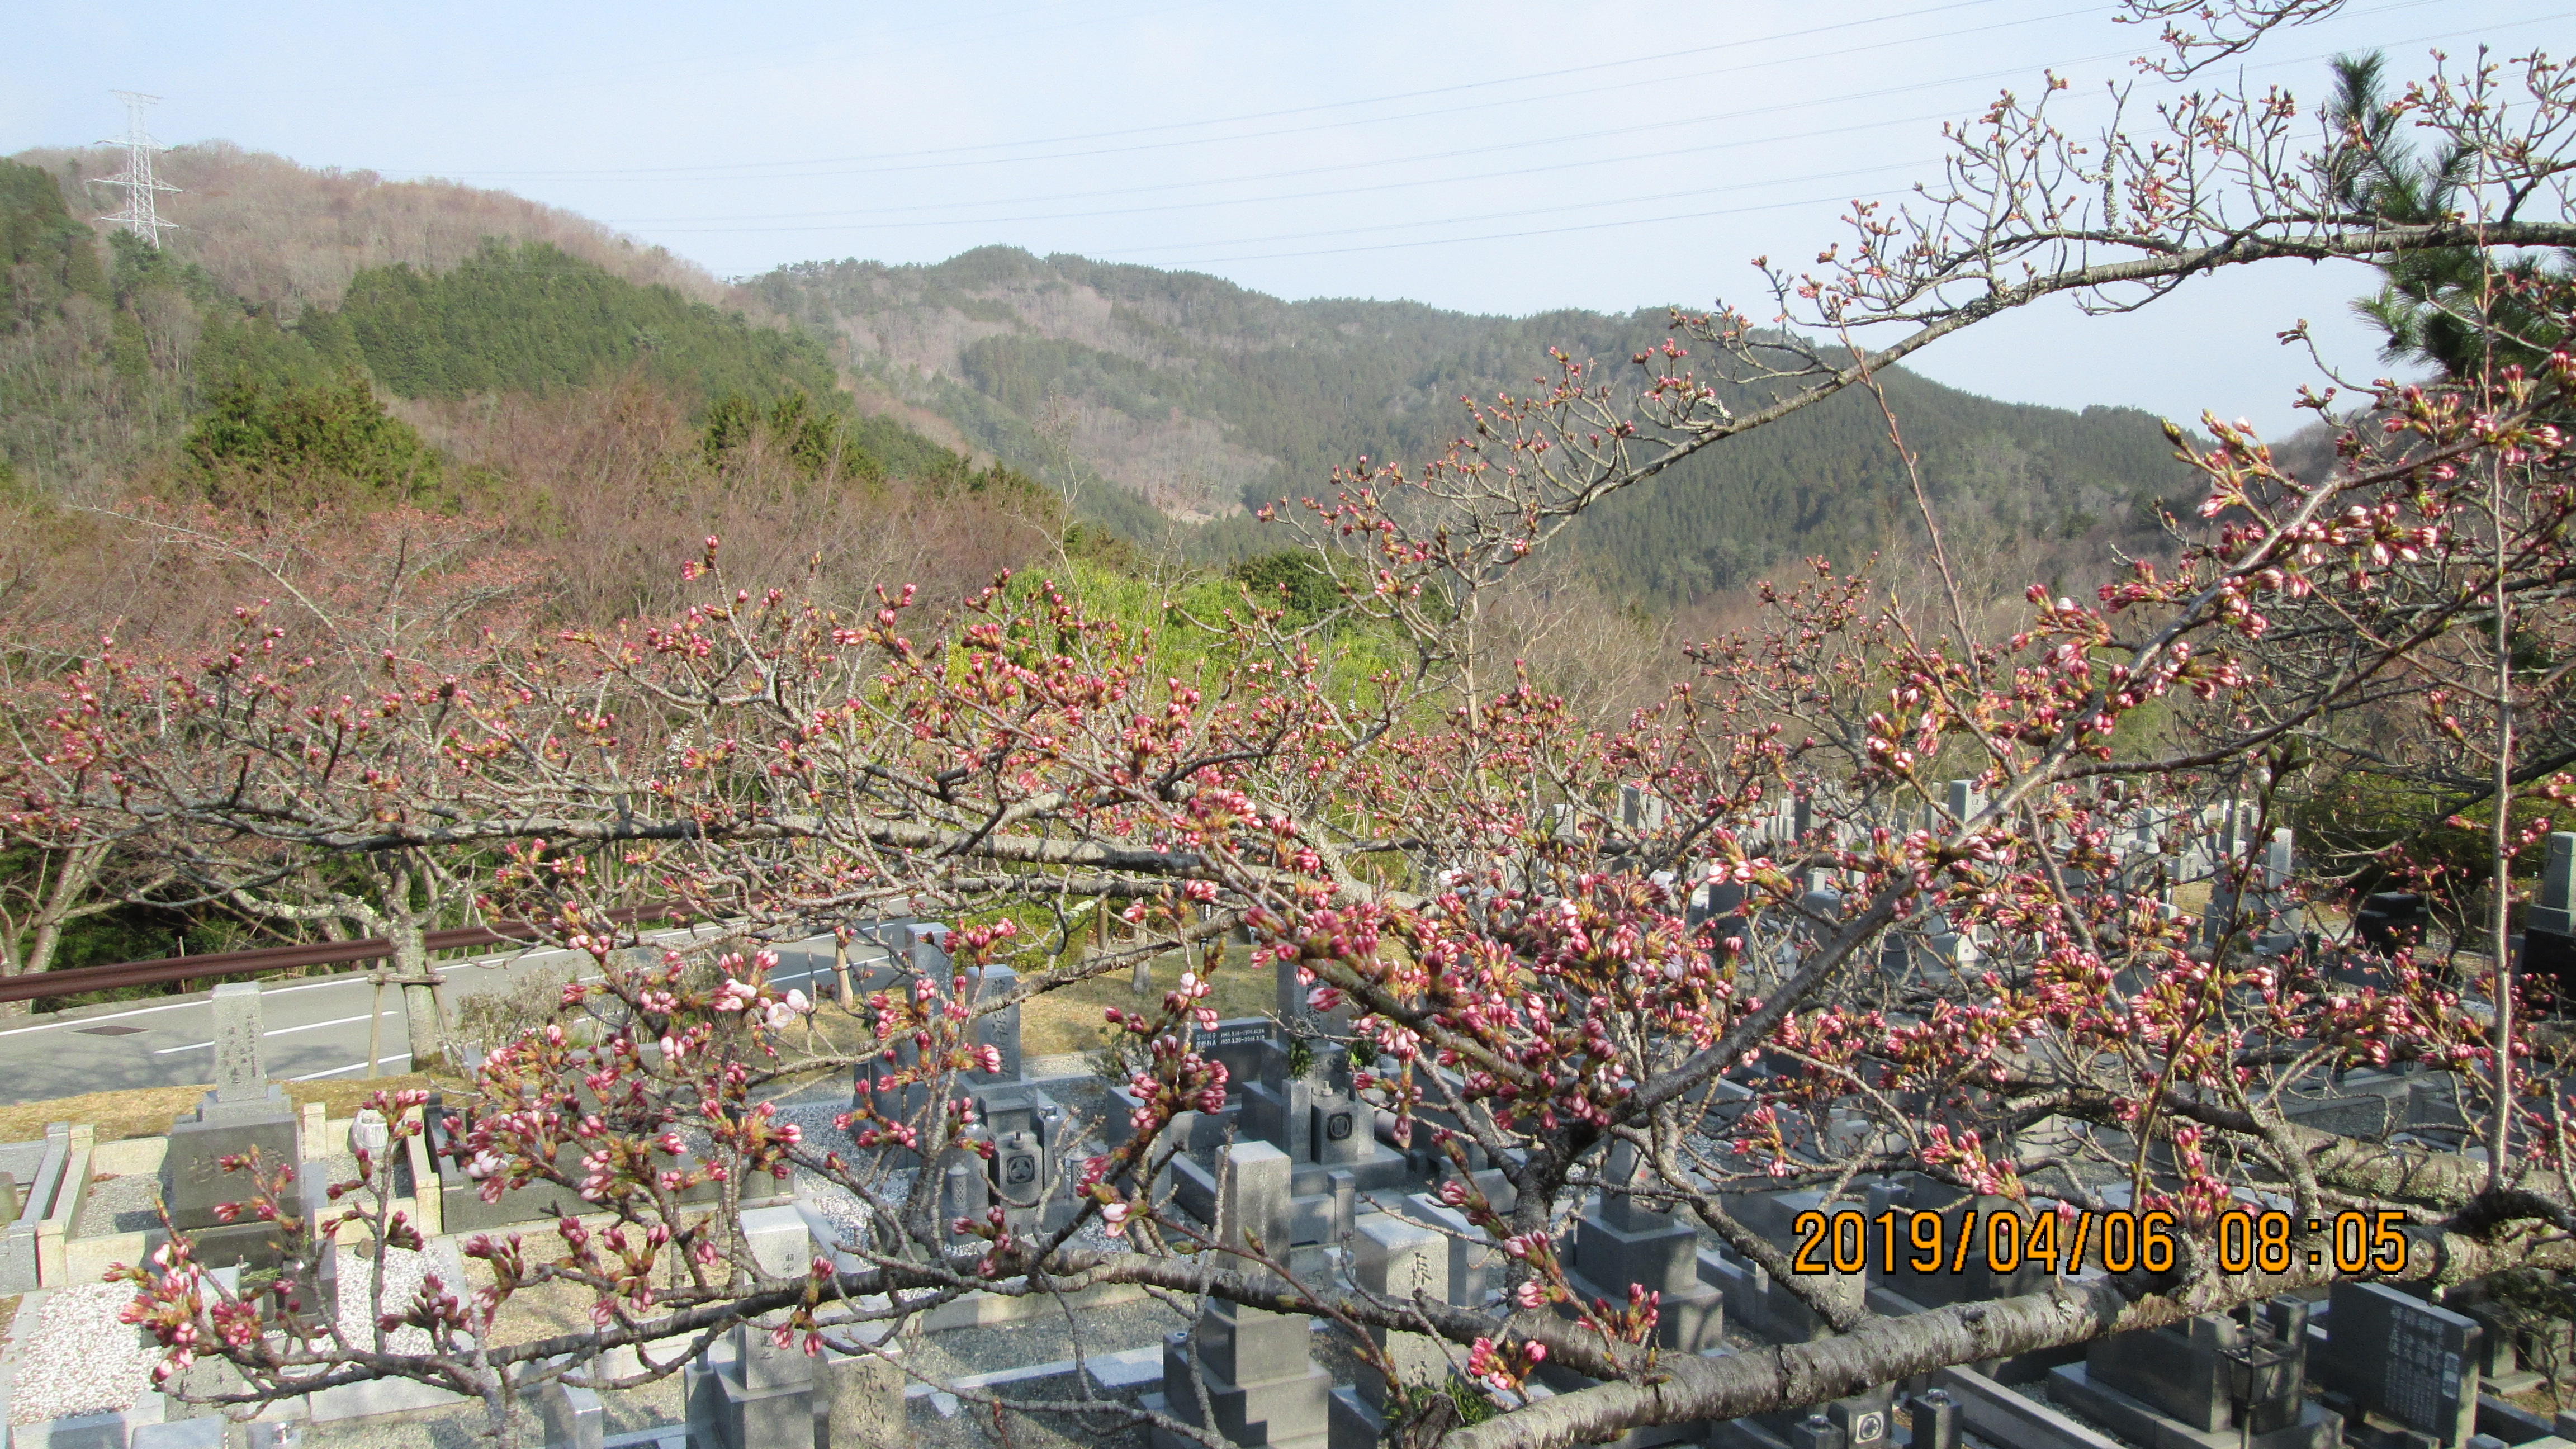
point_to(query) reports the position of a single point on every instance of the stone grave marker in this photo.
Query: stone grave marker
(1621, 1239)
(2177, 1388)
(1262, 1386)
(573, 1417)
(244, 1113)
(1394, 1260)
(1933, 1420)
(758, 1396)
(1310, 1113)
(861, 1402)
(2402, 1360)
(2549, 929)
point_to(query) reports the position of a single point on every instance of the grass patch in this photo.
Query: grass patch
(147, 1111)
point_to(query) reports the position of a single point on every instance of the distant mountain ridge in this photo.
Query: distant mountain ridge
(1162, 403)
(1205, 397)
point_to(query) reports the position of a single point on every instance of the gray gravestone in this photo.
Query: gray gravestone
(862, 1402)
(2403, 1359)
(1399, 1261)
(998, 1029)
(1934, 1420)
(2208, 1383)
(2555, 909)
(1963, 798)
(1311, 1114)
(1262, 1388)
(245, 1113)
(241, 1072)
(1623, 1239)
(572, 1416)
(762, 1397)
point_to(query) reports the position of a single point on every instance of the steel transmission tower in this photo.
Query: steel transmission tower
(141, 213)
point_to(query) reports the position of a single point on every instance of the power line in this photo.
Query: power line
(832, 220)
(1680, 216)
(141, 214)
(1842, 99)
(747, 168)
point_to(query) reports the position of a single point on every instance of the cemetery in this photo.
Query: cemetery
(1297, 1168)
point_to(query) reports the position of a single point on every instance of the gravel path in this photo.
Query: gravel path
(79, 1359)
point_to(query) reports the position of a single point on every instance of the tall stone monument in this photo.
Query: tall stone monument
(1392, 1260)
(2394, 1360)
(245, 1113)
(1261, 1385)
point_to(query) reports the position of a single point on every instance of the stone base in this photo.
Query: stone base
(724, 1414)
(1354, 1424)
(1293, 1412)
(2140, 1422)
(1373, 1168)
(251, 1246)
(462, 1208)
(1165, 1439)
(1312, 1208)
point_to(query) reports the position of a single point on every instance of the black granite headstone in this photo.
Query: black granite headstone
(2403, 1358)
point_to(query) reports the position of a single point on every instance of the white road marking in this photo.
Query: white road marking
(76, 1023)
(351, 1067)
(281, 1031)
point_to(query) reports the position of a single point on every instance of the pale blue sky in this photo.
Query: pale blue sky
(1501, 157)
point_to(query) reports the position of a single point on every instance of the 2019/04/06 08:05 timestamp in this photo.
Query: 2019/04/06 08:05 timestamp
(2120, 1241)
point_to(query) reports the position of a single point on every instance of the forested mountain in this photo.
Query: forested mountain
(112, 353)
(1114, 384)
(1207, 397)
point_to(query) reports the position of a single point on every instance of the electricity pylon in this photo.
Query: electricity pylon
(141, 213)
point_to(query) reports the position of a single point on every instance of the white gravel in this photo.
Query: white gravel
(404, 1272)
(79, 1359)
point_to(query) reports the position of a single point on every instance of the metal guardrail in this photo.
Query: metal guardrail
(218, 964)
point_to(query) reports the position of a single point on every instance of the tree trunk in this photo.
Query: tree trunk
(426, 1023)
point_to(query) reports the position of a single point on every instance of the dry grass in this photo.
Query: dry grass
(1070, 1020)
(147, 1111)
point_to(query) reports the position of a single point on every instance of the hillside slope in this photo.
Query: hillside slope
(283, 236)
(1113, 383)
(1205, 396)
(111, 351)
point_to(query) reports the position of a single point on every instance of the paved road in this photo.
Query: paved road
(314, 1029)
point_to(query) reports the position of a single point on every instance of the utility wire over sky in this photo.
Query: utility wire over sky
(1511, 158)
